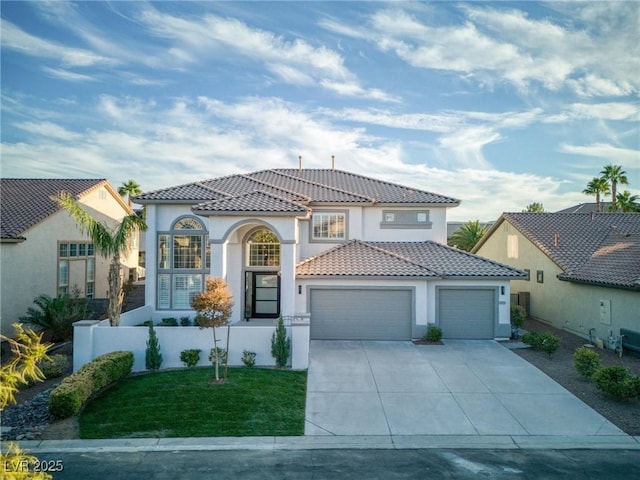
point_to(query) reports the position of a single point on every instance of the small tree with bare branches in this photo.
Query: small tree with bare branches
(214, 309)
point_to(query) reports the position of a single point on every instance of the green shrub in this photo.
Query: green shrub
(586, 361)
(185, 321)
(153, 357)
(190, 357)
(57, 315)
(222, 355)
(280, 344)
(54, 366)
(617, 381)
(549, 343)
(169, 322)
(68, 398)
(434, 334)
(518, 315)
(248, 358)
(532, 338)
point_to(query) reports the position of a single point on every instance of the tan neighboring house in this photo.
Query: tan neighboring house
(584, 268)
(42, 251)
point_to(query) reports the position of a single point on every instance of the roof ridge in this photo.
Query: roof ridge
(400, 257)
(318, 184)
(214, 190)
(386, 182)
(267, 184)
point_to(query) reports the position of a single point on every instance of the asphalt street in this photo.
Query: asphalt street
(349, 464)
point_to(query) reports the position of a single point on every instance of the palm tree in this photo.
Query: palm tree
(627, 202)
(615, 175)
(129, 188)
(597, 186)
(108, 242)
(534, 207)
(466, 237)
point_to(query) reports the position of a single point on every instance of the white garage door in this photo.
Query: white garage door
(361, 314)
(467, 313)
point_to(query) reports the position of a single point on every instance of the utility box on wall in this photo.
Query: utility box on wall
(605, 312)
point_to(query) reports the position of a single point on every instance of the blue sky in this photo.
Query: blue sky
(499, 104)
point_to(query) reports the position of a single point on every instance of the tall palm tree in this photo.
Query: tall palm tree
(597, 186)
(615, 175)
(628, 202)
(129, 188)
(108, 242)
(466, 237)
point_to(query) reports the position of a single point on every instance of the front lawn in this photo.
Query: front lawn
(185, 403)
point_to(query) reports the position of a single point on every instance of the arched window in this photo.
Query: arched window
(184, 258)
(263, 249)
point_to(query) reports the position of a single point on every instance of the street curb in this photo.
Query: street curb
(325, 442)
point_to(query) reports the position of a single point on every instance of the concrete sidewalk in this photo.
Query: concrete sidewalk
(474, 388)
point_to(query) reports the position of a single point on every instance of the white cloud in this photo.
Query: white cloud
(608, 153)
(17, 39)
(293, 61)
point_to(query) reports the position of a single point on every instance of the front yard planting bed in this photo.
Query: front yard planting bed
(186, 403)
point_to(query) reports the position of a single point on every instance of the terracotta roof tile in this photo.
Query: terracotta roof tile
(24, 202)
(303, 186)
(599, 248)
(402, 259)
(258, 201)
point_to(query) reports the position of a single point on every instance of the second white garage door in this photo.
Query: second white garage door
(361, 314)
(467, 313)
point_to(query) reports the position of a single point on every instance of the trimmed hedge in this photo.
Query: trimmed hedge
(617, 381)
(68, 398)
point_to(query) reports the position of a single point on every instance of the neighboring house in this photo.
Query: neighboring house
(367, 259)
(42, 251)
(587, 208)
(584, 267)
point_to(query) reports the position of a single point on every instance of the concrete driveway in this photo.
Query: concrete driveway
(460, 388)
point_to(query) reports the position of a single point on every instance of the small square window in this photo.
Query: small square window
(540, 276)
(64, 250)
(422, 217)
(389, 217)
(82, 249)
(73, 249)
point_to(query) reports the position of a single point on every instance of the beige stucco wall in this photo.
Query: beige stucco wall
(566, 305)
(30, 268)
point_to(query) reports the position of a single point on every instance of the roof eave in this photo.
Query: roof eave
(13, 240)
(247, 213)
(595, 283)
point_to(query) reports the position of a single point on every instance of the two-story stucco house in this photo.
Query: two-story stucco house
(367, 259)
(42, 251)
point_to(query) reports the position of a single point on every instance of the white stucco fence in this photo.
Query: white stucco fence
(93, 338)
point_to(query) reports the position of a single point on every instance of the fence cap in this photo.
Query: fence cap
(86, 323)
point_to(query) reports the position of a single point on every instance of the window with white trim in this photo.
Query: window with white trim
(77, 257)
(328, 226)
(184, 259)
(263, 249)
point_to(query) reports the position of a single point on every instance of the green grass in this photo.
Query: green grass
(185, 403)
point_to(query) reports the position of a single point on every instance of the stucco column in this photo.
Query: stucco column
(218, 259)
(300, 331)
(83, 342)
(151, 255)
(287, 278)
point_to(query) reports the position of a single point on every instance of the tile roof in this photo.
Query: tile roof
(586, 208)
(599, 248)
(257, 201)
(24, 202)
(402, 259)
(306, 186)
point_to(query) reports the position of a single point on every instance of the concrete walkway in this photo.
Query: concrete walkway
(460, 388)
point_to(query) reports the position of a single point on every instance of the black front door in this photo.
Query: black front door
(262, 295)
